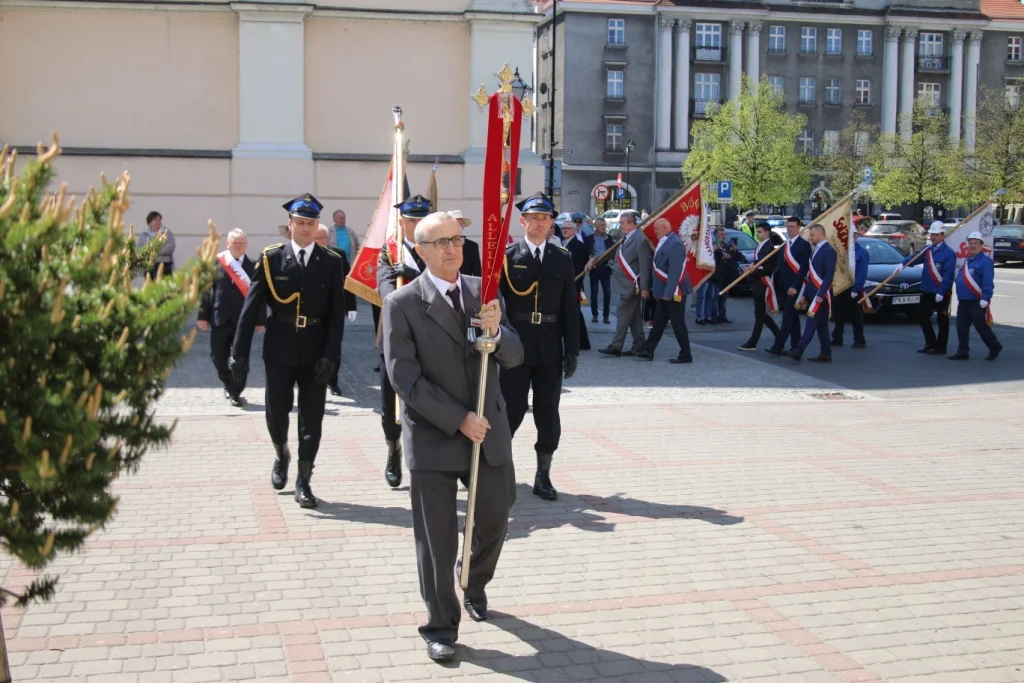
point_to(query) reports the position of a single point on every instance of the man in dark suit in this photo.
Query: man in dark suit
(302, 284)
(579, 250)
(762, 287)
(389, 269)
(433, 368)
(221, 309)
(816, 296)
(669, 260)
(541, 299)
(793, 260)
(323, 238)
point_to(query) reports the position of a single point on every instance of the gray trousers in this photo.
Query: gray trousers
(628, 315)
(435, 525)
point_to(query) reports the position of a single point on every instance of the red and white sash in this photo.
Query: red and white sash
(931, 268)
(969, 281)
(663, 276)
(770, 302)
(629, 272)
(790, 259)
(815, 281)
(582, 296)
(235, 271)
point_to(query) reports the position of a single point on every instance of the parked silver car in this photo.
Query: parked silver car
(907, 236)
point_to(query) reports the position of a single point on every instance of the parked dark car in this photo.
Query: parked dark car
(903, 293)
(1008, 243)
(747, 246)
(907, 236)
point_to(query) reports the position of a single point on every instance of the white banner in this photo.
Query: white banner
(980, 221)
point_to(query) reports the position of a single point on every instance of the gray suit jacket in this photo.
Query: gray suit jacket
(435, 371)
(638, 253)
(669, 259)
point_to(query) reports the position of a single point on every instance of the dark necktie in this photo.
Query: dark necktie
(302, 258)
(454, 295)
(536, 254)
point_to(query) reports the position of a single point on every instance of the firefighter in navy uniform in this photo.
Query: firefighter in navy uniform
(540, 298)
(389, 269)
(301, 282)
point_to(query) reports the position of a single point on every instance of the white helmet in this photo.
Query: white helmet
(975, 236)
(937, 228)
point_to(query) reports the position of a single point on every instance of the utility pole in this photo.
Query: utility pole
(629, 148)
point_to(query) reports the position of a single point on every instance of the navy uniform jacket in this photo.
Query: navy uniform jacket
(222, 305)
(471, 264)
(387, 281)
(824, 262)
(322, 302)
(785, 277)
(580, 253)
(558, 334)
(350, 298)
(937, 280)
(861, 260)
(766, 269)
(983, 272)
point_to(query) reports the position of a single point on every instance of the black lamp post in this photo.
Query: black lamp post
(630, 144)
(520, 88)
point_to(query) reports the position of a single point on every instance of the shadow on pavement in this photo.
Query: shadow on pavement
(557, 653)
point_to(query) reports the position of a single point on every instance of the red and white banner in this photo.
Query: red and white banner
(979, 221)
(497, 219)
(362, 278)
(234, 271)
(685, 212)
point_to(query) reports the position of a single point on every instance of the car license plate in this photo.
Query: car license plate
(912, 299)
(1003, 244)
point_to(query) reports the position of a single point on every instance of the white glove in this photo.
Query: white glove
(984, 304)
(899, 268)
(854, 295)
(351, 316)
(938, 298)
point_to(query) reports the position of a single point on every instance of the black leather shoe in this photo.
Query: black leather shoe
(279, 475)
(609, 351)
(935, 352)
(393, 471)
(441, 650)
(593, 319)
(701, 321)
(959, 356)
(644, 354)
(542, 480)
(724, 321)
(836, 342)
(794, 354)
(227, 395)
(606, 321)
(773, 352)
(237, 401)
(303, 493)
(859, 345)
(677, 361)
(747, 346)
(925, 349)
(820, 359)
(377, 369)
(335, 389)
(994, 353)
(476, 608)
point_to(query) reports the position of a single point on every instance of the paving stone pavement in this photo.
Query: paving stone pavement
(717, 522)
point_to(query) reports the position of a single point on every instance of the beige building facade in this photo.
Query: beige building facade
(225, 110)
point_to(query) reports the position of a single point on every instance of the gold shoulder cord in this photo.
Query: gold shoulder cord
(532, 289)
(300, 320)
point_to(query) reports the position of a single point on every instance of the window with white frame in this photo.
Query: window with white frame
(861, 142)
(930, 45)
(808, 39)
(806, 141)
(832, 91)
(834, 41)
(806, 91)
(707, 87)
(776, 39)
(778, 85)
(709, 35)
(863, 92)
(865, 40)
(929, 93)
(830, 142)
(1013, 49)
(616, 31)
(1012, 93)
(616, 85)
(613, 136)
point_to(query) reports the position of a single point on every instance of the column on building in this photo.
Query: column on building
(681, 139)
(735, 58)
(956, 84)
(890, 78)
(907, 82)
(271, 58)
(971, 86)
(754, 52)
(664, 122)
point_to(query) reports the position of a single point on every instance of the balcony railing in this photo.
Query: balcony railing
(932, 63)
(701, 106)
(709, 54)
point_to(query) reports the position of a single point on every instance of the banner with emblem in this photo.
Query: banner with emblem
(838, 223)
(980, 220)
(362, 277)
(685, 212)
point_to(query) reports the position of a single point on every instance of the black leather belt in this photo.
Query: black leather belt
(536, 318)
(301, 321)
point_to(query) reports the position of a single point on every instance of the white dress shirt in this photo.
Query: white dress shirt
(308, 249)
(534, 247)
(443, 286)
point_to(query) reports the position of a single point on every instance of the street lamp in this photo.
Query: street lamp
(630, 144)
(520, 88)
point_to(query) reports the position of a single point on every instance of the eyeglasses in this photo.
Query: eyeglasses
(442, 244)
(577, 222)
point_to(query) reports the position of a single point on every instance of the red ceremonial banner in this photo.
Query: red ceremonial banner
(685, 212)
(362, 278)
(496, 225)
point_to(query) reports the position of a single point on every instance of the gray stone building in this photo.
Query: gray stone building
(642, 71)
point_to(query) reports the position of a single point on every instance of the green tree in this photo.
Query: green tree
(919, 169)
(85, 355)
(752, 141)
(843, 165)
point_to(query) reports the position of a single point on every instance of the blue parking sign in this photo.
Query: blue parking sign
(621, 193)
(724, 191)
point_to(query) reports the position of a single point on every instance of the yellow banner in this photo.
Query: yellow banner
(838, 221)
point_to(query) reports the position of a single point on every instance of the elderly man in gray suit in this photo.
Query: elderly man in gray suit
(631, 283)
(435, 372)
(670, 291)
